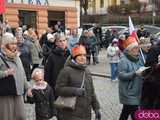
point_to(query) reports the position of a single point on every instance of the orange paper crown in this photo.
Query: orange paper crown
(130, 42)
(78, 50)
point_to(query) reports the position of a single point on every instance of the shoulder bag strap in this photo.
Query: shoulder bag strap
(4, 61)
(84, 75)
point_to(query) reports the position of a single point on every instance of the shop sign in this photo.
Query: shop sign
(34, 2)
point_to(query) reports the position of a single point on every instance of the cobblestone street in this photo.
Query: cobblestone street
(106, 90)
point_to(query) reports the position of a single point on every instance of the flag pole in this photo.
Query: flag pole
(131, 29)
(3, 29)
(141, 50)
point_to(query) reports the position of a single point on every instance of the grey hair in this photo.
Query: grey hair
(37, 71)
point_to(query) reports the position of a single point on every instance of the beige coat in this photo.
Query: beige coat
(12, 107)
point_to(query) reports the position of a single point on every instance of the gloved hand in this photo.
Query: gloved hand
(98, 115)
(141, 70)
(80, 91)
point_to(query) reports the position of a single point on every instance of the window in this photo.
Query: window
(101, 3)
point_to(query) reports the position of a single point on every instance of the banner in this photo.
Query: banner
(2, 6)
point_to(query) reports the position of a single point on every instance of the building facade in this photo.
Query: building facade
(100, 6)
(42, 13)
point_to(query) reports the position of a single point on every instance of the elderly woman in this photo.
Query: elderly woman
(35, 49)
(13, 81)
(69, 82)
(130, 70)
(42, 96)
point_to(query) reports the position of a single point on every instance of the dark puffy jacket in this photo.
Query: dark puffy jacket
(151, 90)
(54, 64)
(43, 100)
(69, 80)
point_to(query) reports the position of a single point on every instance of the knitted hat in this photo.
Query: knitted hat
(130, 43)
(8, 38)
(78, 50)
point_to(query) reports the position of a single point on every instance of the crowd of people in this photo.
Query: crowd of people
(134, 62)
(57, 62)
(49, 61)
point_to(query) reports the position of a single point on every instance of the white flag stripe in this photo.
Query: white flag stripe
(131, 27)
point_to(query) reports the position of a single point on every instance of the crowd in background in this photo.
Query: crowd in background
(134, 63)
(41, 58)
(52, 58)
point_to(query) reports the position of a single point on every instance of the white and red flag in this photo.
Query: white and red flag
(133, 33)
(2, 6)
(132, 30)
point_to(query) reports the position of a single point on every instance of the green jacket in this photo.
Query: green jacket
(69, 80)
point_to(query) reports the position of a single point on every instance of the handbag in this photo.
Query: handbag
(7, 84)
(67, 102)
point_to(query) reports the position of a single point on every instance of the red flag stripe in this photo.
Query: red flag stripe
(2, 6)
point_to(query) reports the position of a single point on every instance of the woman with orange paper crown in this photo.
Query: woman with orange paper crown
(69, 84)
(130, 69)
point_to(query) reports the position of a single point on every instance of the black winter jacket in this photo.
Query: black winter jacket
(54, 64)
(43, 100)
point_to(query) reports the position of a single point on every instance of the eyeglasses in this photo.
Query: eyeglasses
(61, 40)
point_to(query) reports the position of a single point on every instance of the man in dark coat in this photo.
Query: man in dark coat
(55, 63)
(98, 33)
(56, 60)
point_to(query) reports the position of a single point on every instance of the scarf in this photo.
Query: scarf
(40, 85)
(131, 58)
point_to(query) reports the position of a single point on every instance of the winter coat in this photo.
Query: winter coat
(98, 33)
(13, 104)
(19, 76)
(54, 64)
(83, 40)
(129, 83)
(25, 57)
(72, 41)
(151, 90)
(36, 52)
(113, 54)
(93, 43)
(43, 99)
(68, 81)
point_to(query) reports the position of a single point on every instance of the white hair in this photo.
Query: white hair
(37, 71)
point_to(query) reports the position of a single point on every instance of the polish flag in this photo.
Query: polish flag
(2, 6)
(133, 33)
(132, 30)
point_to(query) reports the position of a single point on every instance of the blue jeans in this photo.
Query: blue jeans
(114, 70)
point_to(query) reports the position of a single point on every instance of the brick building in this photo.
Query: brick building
(42, 13)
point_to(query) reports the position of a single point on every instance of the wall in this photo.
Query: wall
(71, 20)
